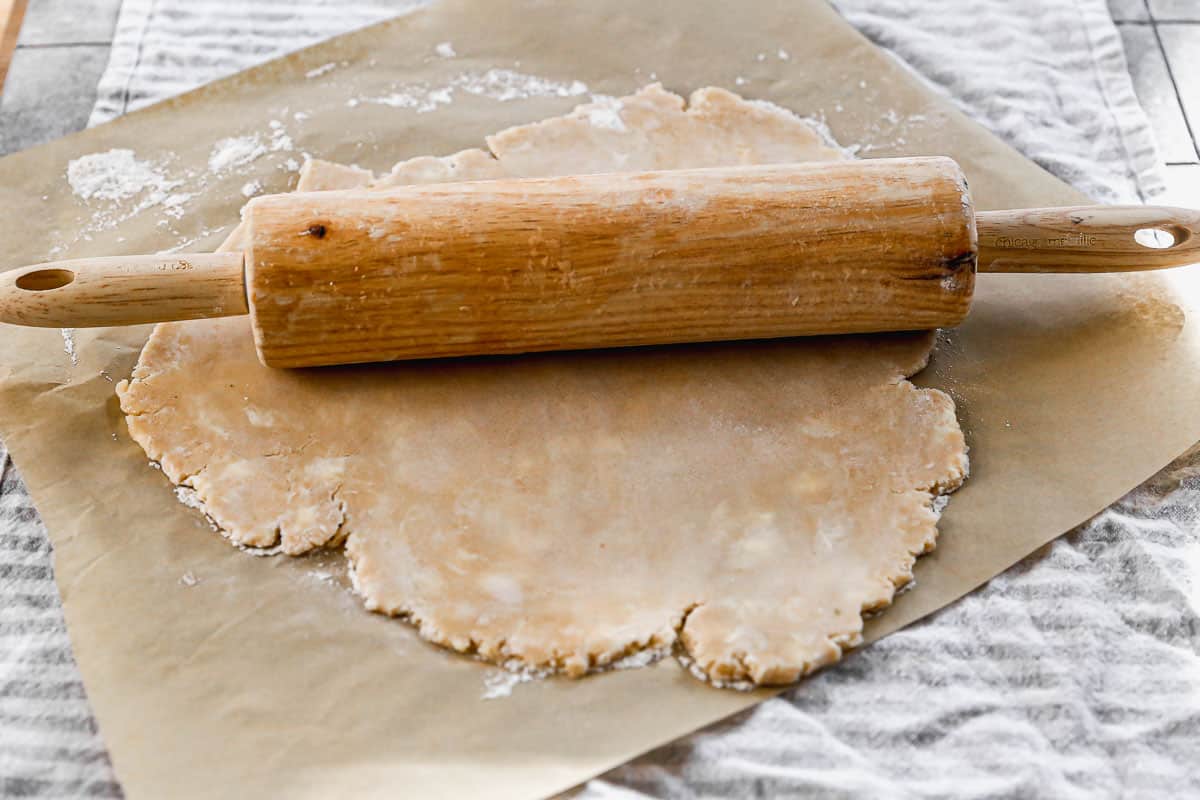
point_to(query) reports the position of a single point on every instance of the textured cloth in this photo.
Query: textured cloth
(49, 746)
(1075, 674)
(162, 48)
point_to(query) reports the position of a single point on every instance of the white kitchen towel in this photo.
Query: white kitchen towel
(1075, 674)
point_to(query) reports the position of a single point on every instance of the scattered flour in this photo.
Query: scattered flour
(124, 185)
(783, 55)
(500, 684)
(251, 188)
(641, 658)
(187, 495)
(235, 151)
(890, 131)
(501, 85)
(173, 203)
(115, 175)
(183, 244)
(603, 112)
(420, 97)
(189, 579)
(321, 70)
(817, 123)
(279, 136)
(699, 674)
(506, 84)
(68, 335)
(445, 50)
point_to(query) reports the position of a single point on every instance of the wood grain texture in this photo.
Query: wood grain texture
(123, 290)
(12, 12)
(607, 260)
(1085, 239)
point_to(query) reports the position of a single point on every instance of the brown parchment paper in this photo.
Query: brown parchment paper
(263, 679)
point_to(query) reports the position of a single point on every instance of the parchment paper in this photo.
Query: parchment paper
(264, 678)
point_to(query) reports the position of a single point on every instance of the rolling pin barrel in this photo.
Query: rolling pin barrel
(522, 265)
(603, 260)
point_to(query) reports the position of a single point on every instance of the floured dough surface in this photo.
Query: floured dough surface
(741, 503)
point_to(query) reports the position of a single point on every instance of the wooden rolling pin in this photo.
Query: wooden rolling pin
(515, 266)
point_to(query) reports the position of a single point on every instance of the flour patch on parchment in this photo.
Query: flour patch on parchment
(501, 85)
(739, 505)
(116, 185)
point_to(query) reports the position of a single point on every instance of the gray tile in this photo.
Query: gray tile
(69, 21)
(50, 92)
(1182, 46)
(1175, 9)
(1183, 186)
(1152, 83)
(1128, 10)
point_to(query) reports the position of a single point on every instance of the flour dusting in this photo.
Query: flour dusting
(641, 658)
(321, 70)
(890, 131)
(235, 151)
(603, 112)
(502, 85)
(68, 335)
(115, 174)
(420, 98)
(187, 495)
(506, 84)
(117, 185)
(279, 136)
(817, 123)
(500, 684)
(251, 188)
(445, 50)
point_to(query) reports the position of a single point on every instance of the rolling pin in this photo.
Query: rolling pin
(606, 260)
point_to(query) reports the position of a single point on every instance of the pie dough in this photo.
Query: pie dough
(741, 504)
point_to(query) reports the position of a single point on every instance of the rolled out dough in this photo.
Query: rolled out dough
(741, 504)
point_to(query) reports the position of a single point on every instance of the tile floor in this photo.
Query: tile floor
(51, 85)
(64, 46)
(1162, 46)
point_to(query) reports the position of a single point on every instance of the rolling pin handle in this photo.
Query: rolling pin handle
(124, 290)
(1088, 239)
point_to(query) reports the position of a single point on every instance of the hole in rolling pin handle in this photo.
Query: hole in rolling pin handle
(1160, 238)
(316, 230)
(42, 280)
